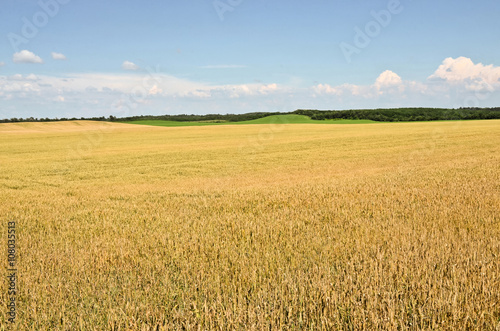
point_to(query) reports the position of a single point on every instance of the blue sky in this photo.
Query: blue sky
(71, 58)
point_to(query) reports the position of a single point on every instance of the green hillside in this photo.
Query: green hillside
(274, 119)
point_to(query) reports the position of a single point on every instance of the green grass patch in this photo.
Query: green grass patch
(170, 123)
(274, 119)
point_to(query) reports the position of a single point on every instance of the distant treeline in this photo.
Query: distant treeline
(46, 119)
(198, 118)
(178, 118)
(403, 114)
(380, 115)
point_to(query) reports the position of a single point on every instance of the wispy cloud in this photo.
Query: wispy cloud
(26, 56)
(58, 56)
(127, 65)
(453, 84)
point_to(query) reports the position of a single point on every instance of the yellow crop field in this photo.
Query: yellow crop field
(252, 227)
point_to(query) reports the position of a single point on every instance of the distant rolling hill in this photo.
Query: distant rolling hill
(274, 119)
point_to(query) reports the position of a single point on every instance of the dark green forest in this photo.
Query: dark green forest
(379, 115)
(404, 114)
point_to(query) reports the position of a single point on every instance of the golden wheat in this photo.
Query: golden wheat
(348, 227)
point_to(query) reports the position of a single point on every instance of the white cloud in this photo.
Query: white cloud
(151, 93)
(23, 87)
(2, 64)
(388, 79)
(200, 94)
(155, 90)
(463, 68)
(388, 87)
(270, 88)
(16, 77)
(325, 89)
(58, 56)
(127, 65)
(104, 86)
(459, 77)
(463, 71)
(349, 89)
(388, 82)
(234, 91)
(19, 77)
(26, 56)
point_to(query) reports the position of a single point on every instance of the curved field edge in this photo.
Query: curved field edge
(60, 127)
(274, 119)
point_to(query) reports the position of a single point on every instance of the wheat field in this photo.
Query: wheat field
(253, 227)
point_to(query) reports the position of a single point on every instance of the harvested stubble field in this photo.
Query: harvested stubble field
(253, 227)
